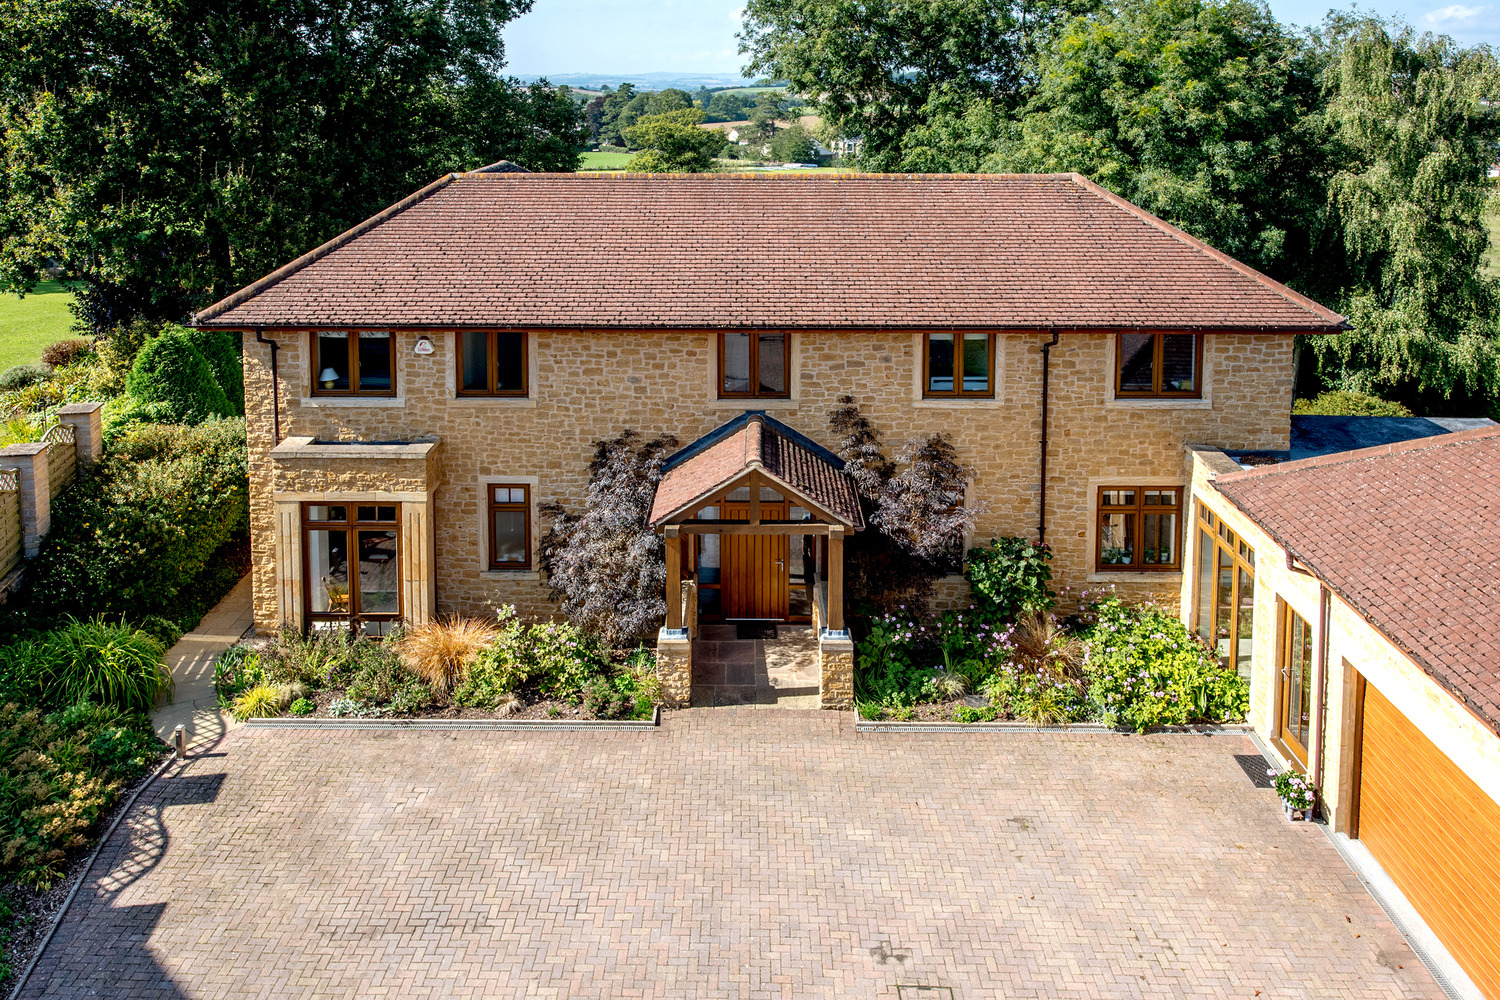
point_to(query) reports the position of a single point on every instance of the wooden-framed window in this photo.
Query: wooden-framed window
(352, 565)
(1159, 366)
(1294, 715)
(353, 363)
(510, 525)
(491, 363)
(1225, 592)
(1140, 528)
(755, 365)
(958, 365)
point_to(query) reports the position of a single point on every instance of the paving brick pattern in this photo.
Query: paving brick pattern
(732, 853)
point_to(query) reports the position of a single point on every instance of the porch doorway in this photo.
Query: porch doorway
(755, 568)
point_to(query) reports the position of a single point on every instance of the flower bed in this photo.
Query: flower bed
(1122, 665)
(456, 669)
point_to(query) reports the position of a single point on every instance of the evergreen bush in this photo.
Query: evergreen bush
(221, 349)
(172, 370)
(21, 376)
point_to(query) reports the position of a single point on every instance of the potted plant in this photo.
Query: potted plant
(1297, 795)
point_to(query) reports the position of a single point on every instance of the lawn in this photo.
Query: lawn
(1491, 258)
(605, 161)
(30, 324)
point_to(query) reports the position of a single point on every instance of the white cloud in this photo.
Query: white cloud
(1455, 12)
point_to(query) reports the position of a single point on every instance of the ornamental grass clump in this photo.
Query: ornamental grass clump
(111, 664)
(260, 702)
(441, 651)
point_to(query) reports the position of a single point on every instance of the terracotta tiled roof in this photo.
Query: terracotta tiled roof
(714, 250)
(1408, 535)
(754, 441)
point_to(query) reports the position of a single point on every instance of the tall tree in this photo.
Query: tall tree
(1417, 130)
(871, 67)
(673, 143)
(168, 152)
(1203, 112)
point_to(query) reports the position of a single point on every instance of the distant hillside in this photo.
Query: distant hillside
(648, 81)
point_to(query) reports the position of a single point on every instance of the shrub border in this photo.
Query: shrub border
(88, 866)
(893, 726)
(445, 725)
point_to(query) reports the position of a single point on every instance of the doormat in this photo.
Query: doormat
(755, 630)
(1254, 766)
(904, 992)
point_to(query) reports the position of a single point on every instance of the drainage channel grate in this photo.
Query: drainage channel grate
(906, 992)
(1255, 768)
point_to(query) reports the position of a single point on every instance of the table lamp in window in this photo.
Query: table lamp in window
(329, 377)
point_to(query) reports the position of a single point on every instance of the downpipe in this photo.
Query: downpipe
(260, 338)
(1041, 525)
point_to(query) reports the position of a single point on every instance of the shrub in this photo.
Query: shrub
(565, 657)
(129, 536)
(317, 659)
(117, 666)
(380, 675)
(58, 774)
(61, 353)
(1010, 578)
(1340, 403)
(117, 348)
(501, 668)
(19, 377)
(172, 370)
(221, 349)
(1145, 669)
(441, 651)
(235, 670)
(302, 707)
(259, 702)
(602, 700)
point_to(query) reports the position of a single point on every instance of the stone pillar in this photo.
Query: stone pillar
(418, 560)
(30, 462)
(836, 667)
(87, 421)
(674, 666)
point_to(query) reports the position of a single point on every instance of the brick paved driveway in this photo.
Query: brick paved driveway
(733, 853)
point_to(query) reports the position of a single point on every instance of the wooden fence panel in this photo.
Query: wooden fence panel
(10, 522)
(62, 457)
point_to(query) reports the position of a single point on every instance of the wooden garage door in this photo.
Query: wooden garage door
(1436, 834)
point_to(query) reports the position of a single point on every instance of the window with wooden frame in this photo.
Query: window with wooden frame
(1140, 528)
(1294, 723)
(491, 363)
(510, 525)
(755, 365)
(1225, 592)
(1159, 366)
(352, 565)
(348, 363)
(958, 365)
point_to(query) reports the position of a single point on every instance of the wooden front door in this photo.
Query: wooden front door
(755, 567)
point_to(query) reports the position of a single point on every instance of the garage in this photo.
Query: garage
(1435, 832)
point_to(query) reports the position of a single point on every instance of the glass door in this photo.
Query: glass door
(352, 569)
(1295, 721)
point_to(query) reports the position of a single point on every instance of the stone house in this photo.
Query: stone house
(416, 387)
(1358, 593)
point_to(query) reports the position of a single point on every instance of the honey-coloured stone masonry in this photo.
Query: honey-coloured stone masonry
(589, 385)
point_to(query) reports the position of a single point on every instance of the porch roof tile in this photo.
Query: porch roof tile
(1408, 535)
(868, 251)
(755, 441)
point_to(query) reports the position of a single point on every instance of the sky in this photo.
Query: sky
(697, 36)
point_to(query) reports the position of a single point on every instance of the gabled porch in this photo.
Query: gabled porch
(754, 516)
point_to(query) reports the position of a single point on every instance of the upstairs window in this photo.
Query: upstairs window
(958, 365)
(754, 366)
(1159, 366)
(354, 364)
(491, 363)
(1140, 528)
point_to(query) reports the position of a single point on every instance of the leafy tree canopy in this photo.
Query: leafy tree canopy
(166, 153)
(673, 143)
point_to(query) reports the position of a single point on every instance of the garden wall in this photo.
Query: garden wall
(33, 474)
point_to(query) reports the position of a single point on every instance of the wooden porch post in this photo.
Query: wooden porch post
(674, 576)
(835, 579)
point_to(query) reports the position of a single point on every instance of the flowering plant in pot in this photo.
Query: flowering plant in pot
(1297, 794)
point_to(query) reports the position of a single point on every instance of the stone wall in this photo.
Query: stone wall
(586, 386)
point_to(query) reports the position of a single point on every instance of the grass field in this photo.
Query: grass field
(750, 90)
(30, 324)
(605, 161)
(1492, 258)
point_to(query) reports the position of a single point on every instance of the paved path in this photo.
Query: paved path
(769, 673)
(194, 703)
(743, 853)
